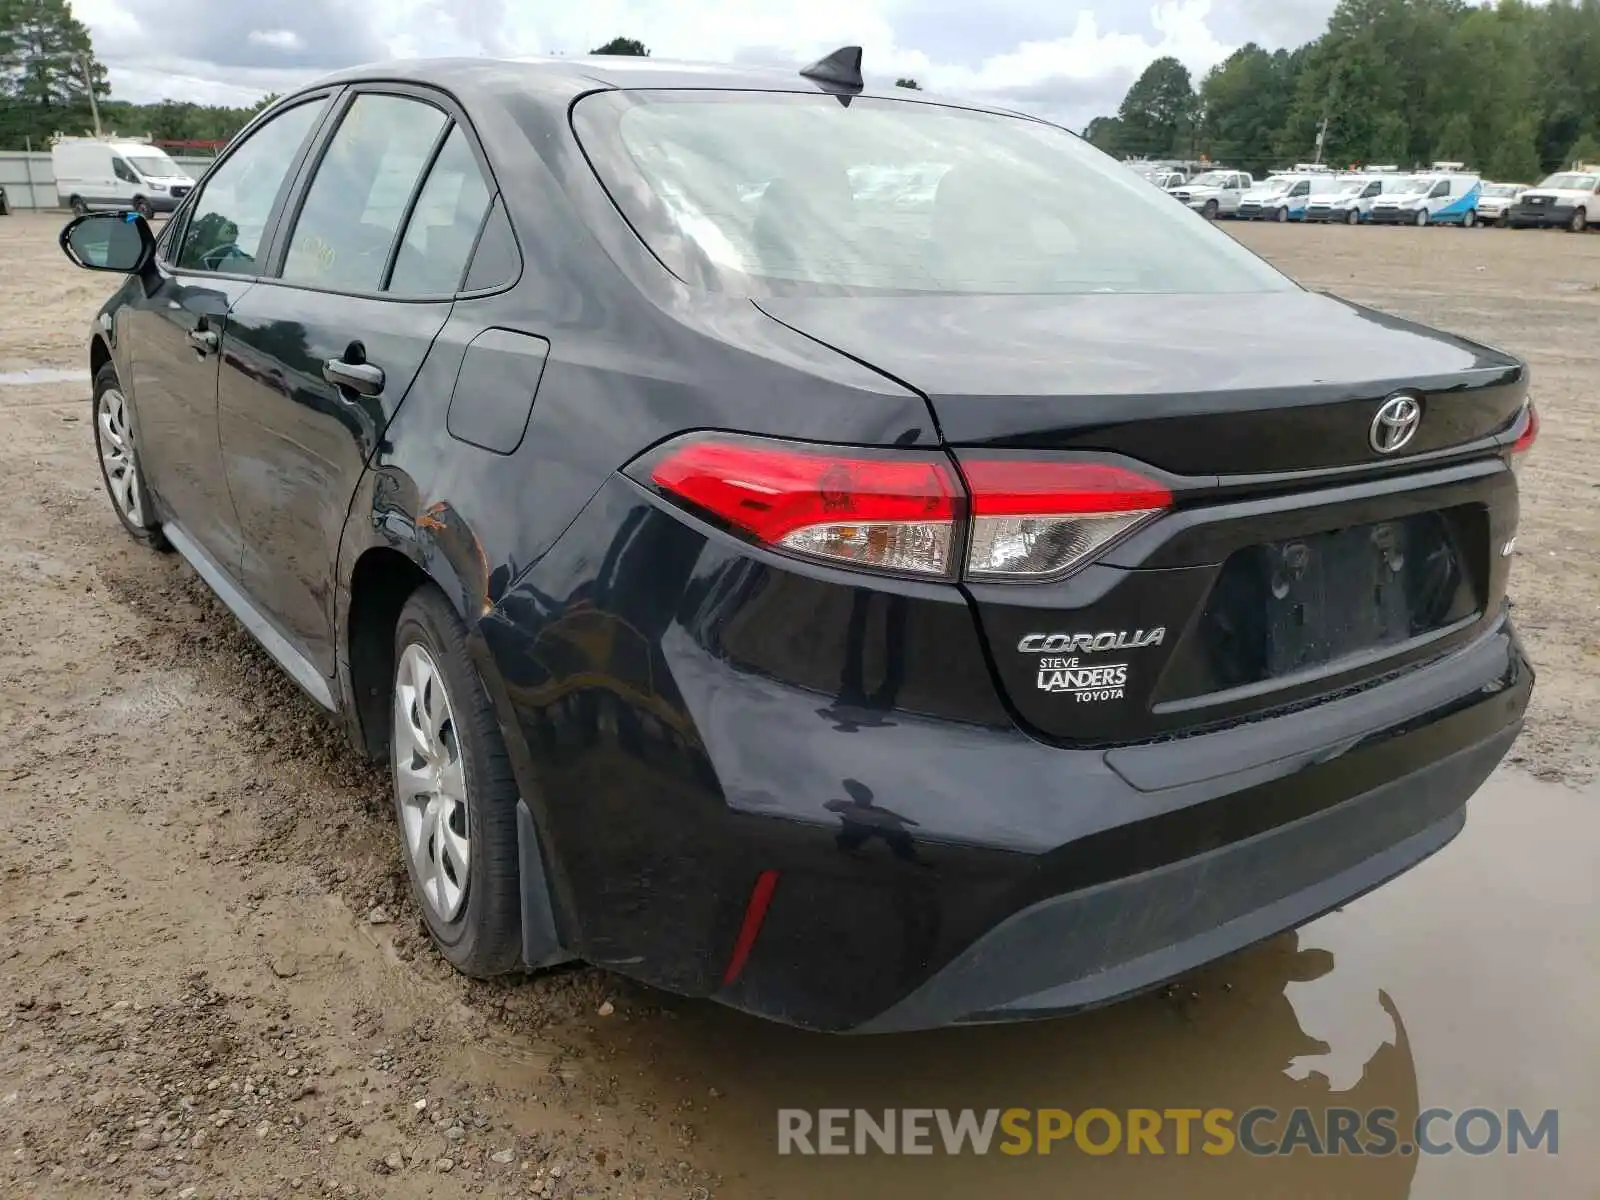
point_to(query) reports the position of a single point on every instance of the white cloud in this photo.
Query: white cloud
(278, 39)
(1068, 62)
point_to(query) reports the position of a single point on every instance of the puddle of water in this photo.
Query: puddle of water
(1471, 982)
(36, 375)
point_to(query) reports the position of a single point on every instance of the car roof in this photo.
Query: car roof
(570, 77)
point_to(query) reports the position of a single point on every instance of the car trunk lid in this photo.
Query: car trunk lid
(1297, 560)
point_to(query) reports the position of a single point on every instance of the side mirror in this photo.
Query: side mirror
(122, 242)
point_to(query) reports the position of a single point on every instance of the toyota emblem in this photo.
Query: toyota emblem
(1395, 423)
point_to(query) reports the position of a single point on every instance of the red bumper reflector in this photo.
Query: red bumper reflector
(755, 912)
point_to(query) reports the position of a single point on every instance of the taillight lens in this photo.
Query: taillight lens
(889, 511)
(1529, 434)
(1039, 520)
(906, 511)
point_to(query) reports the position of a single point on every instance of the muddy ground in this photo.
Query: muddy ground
(212, 983)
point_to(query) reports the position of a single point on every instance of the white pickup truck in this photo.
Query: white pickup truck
(1569, 199)
(1215, 193)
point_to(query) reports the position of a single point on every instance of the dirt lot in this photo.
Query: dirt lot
(212, 983)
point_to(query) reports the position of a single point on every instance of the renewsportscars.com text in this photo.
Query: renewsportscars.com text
(1179, 1131)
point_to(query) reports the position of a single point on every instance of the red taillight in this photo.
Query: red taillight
(1529, 434)
(901, 510)
(894, 511)
(1038, 520)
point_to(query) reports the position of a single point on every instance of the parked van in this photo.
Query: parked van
(1278, 198)
(114, 172)
(1346, 198)
(1432, 198)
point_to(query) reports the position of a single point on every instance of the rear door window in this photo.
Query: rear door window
(444, 224)
(358, 197)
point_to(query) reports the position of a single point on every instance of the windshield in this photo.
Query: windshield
(1212, 179)
(1500, 189)
(1274, 183)
(1413, 187)
(1349, 187)
(1572, 181)
(153, 164)
(784, 193)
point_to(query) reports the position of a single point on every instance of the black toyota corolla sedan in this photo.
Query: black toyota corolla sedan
(867, 559)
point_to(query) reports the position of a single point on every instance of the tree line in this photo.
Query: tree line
(48, 67)
(1510, 88)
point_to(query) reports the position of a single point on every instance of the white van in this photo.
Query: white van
(1433, 198)
(116, 172)
(1349, 198)
(1277, 198)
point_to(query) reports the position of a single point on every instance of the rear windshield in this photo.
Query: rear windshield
(782, 193)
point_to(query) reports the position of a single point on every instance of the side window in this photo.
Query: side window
(1373, 189)
(228, 219)
(1301, 189)
(497, 260)
(1442, 188)
(123, 171)
(358, 197)
(444, 224)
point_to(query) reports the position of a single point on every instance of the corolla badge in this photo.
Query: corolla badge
(1395, 422)
(1091, 643)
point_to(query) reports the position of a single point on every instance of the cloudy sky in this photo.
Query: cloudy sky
(1071, 59)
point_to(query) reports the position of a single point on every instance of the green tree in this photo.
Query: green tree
(1585, 150)
(1510, 86)
(622, 45)
(1244, 102)
(1105, 133)
(1157, 114)
(908, 83)
(47, 67)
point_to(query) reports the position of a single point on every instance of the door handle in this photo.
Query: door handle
(203, 340)
(363, 378)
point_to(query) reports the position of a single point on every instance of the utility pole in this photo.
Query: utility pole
(1322, 136)
(88, 81)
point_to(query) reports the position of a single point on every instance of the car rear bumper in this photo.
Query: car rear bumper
(700, 823)
(1085, 949)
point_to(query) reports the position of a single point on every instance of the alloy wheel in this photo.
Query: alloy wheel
(430, 781)
(116, 452)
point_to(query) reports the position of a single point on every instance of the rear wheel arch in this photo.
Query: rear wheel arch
(381, 581)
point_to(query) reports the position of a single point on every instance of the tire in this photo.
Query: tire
(142, 207)
(110, 412)
(1353, 217)
(1579, 222)
(1280, 215)
(78, 205)
(1422, 218)
(1469, 218)
(473, 910)
(1210, 210)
